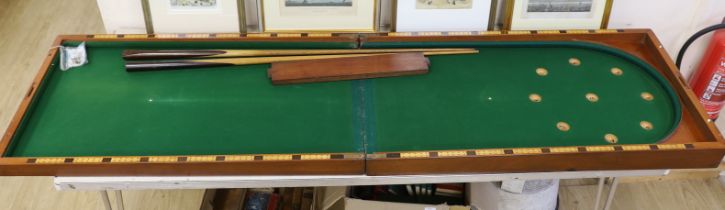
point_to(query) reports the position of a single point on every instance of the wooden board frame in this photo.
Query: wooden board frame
(695, 144)
(246, 164)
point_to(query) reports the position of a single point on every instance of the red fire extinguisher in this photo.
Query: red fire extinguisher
(708, 82)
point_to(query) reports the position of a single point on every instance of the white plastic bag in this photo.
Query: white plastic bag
(73, 56)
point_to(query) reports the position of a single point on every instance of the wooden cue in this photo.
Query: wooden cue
(198, 63)
(181, 54)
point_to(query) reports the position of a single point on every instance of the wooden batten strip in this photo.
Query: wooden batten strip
(319, 34)
(486, 152)
(259, 35)
(207, 158)
(452, 153)
(49, 160)
(125, 159)
(577, 31)
(197, 36)
(606, 31)
(414, 154)
(87, 159)
(289, 35)
(563, 149)
(430, 33)
(527, 151)
(167, 36)
(105, 36)
(276, 157)
(518, 32)
(453, 33)
(135, 36)
(198, 158)
(400, 34)
(490, 33)
(460, 33)
(600, 148)
(548, 32)
(671, 146)
(236, 158)
(162, 159)
(635, 147)
(315, 157)
(227, 35)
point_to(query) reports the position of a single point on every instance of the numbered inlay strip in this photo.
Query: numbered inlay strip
(196, 158)
(205, 36)
(529, 151)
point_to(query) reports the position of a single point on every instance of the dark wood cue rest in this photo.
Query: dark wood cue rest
(337, 69)
(693, 130)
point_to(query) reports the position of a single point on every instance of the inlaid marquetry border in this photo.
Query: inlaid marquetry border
(207, 36)
(270, 35)
(529, 151)
(193, 158)
(484, 33)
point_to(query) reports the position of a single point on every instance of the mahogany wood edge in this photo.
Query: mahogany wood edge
(628, 160)
(503, 152)
(285, 167)
(340, 38)
(25, 103)
(20, 113)
(645, 36)
(383, 37)
(673, 74)
(91, 169)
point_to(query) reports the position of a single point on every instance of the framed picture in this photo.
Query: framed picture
(194, 16)
(557, 14)
(319, 15)
(444, 15)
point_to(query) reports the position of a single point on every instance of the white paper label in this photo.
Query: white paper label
(513, 186)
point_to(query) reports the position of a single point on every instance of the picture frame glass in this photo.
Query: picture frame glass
(319, 15)
(443, 15)
(557, 14)
(194, 16)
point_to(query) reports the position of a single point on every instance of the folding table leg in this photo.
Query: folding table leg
(119, 200)
(105, 200)
(612, 189)
(600, 188)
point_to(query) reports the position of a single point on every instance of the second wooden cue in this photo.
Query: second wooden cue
(184, 54)
(199, 63)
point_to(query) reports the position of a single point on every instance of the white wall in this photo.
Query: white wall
(126, 16)
(122, 16)
(673, 21)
